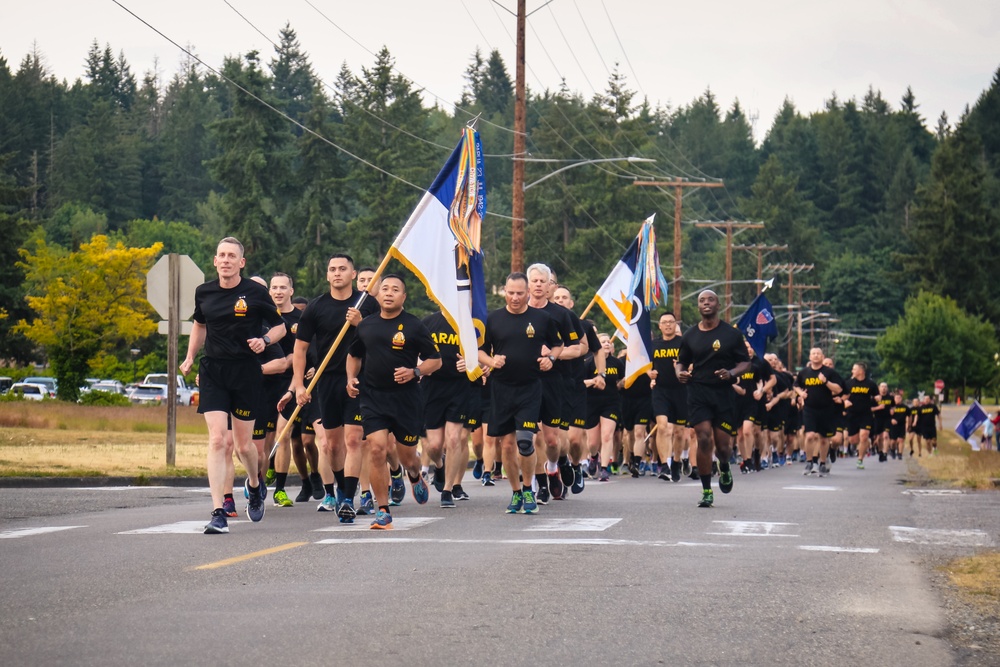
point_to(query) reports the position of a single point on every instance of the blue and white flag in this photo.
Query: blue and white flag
(973, 419)
(758, 324)
(440, 243)
(621, 297)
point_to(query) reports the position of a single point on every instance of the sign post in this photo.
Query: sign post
(170, 287)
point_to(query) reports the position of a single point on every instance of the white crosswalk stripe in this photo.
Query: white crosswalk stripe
(28, 532)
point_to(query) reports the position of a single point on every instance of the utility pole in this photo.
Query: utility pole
(729, 226)
(678, 186)
(520, 129)
(801, 304)
(791, 270)
(761, 250)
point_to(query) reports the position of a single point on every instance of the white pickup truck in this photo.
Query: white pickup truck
(184, 392)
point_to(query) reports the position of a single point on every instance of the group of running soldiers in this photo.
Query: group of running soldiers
(551, 410)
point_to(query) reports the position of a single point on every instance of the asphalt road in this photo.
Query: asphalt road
(786, 570)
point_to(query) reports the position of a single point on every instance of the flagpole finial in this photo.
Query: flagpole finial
(768, 284)
(472, 123)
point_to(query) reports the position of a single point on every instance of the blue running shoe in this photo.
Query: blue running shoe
(420, 492)
(229, 507)
(218, 524)
(328, 504)
(383, 521)
(260, 485)
(517, 503)
(255, 504)
(488, 479)
(397, 491)
(529, 505)
(346, 512)
(367, 505)
(477, 469)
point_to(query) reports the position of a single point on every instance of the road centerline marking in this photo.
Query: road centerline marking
(250, 556)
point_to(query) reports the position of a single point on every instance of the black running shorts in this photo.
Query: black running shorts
(822, 421)
(637, 411)
(453, 400)
(574, 405)
(607, 408)
(552, 399)
(671, 402)
(855, 423)
(398, 411)
(233, 387)
(712, 403)
(513, 408)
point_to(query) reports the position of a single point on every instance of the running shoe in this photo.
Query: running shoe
(686, 467)
(328, 504)
(530, 506)
(861, 464)
(566, 473)
(317, 485)
(397, 491)
(420, 491)
(614, 468)
(488, 479)
(675, 471)
(809, 468)
(823, 470)
(744, 467)
(255, 505)
(367, 505)
(261, 484)
(726, 480)
(218, 524)
(306, 492)
(833, 455)
(543, 496)
(556, 487)
(782, 460)
(383, 521)
(477, 469)
(229, 507)
(604, 475)
(578, 482)
(458, 493)
(814, 469)
(592, 465)
(633, 469)
(694, 473)
(707, 498)
(516, 503)
(346, 511)
(281, 499)
(665, 473)
(269, 476)
(439, 479)
(446, 499)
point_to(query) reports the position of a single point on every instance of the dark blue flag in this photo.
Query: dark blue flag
(758, 324)
(972, 420)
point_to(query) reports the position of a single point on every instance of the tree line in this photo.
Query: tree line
(885, 207)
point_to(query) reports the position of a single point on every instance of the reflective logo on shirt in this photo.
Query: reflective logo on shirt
(716, 345)
(398, 340)
(241, 307)
(530, 331)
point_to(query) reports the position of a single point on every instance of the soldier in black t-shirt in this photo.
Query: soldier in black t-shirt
(229, 315)
(928, 419)
(880, 432)
(669, 400)
(752, 387)
(556, 391)
(860, 395)
(397, 350)
(818, 384)
(711, 357)
(570, 461)
(520, 346)
(899, 418)
(322, 321)
(451, 405)
(603, 404)
(779, 409)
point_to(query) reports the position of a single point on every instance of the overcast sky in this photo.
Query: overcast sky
(758, 53)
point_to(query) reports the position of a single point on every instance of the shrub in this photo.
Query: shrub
(103, 398)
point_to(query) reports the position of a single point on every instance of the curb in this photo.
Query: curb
(71, 482)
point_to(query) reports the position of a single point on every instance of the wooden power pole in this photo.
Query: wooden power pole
(729, 226)
(520, 129)
(678, 186)
(761, 250)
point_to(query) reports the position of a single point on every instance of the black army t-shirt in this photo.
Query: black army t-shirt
(232, 316)
(446, 338)
(818, 395)
(710, 351)
(388, 344)
(322, 320)
(520, 339)
(862, 394)
(664, 355)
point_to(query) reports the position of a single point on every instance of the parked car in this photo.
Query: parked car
(148, 394)
(29, 391)
(5, 384)
(184, 393)
(110, 386)
(47, 382)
